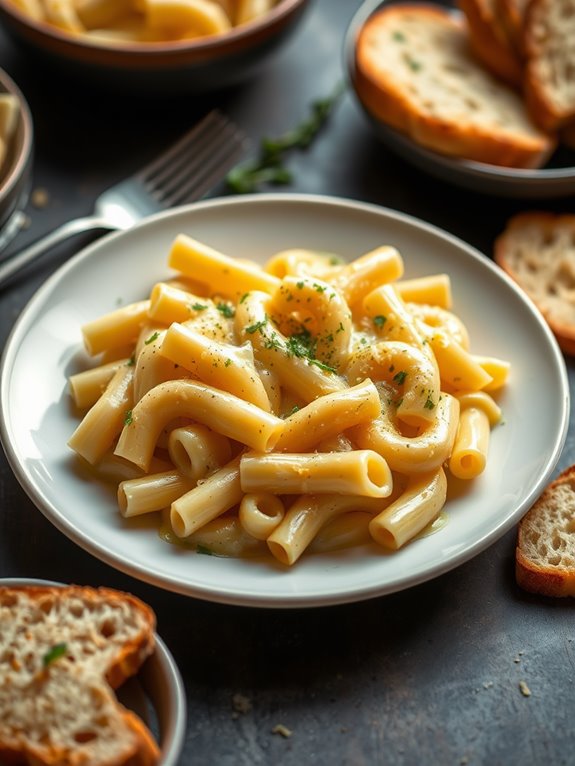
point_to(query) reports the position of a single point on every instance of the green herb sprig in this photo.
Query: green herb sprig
(54, 653)
(268, 167)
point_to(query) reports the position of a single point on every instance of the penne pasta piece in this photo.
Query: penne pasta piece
(260, 514)
(150, 493)
(356, 279)
(220, 411)
(307, 515)
(348, 530)
(479, 413)
(411, 378)
(196, 450)
(457, 367)
(208, 500)
(497, 369)
(432, 290)
(423, 499)
(359, 472)
(221, 273)
(116, 329)
(229, 368)
(88, 386)
(101, 425)
(327, 416)
(421, 453)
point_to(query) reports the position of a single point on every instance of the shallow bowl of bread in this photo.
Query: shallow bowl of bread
(437, 101)
(90, 660)
(153, 47)
(16, 150)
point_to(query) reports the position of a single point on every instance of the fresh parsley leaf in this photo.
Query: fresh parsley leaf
(268, 167)
(128, 420)
(53, 654)
(152, 338)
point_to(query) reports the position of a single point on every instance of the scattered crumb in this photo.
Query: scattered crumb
(282, 730)
(517, 659)
(524, 689)
(487, 684)
(40, 197)
(241, 704)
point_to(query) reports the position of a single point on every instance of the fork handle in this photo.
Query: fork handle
(15, 263)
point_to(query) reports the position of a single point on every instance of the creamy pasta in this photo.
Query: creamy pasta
(303, 403)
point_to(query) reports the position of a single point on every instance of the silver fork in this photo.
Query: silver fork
(185, 172)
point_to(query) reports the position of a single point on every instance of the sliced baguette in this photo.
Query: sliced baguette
(64, 712)
(537, 250)
(490, 40)
(415, 72)
(545, 552)
(549, 42)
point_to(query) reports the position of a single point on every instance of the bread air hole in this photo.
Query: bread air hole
(108, 628)
(84, 736)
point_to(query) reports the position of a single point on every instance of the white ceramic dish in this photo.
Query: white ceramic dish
(158, 683)
(556, 179)
(45, 347)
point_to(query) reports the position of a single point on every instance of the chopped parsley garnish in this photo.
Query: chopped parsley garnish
(257, 326)
(303, 346)
(400, 377)
(199, 306)
(268, 167)
(227, 362)
(226, 310)
(152, 338)
(429, 405)
(128, 420)
(131, 361)
(379, 320)
(414, 65)
(53, 654)
(398, 36)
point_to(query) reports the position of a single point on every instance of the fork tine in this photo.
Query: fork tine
(192, 158)
(202, 173)
(171, 158)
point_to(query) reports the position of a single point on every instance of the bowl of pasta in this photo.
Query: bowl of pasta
(298, 400)
(156, 47)
(16, 154)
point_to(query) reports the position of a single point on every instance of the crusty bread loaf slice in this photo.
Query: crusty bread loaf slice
(549, 42)
(512, 14)
(62, 651)
(537, 250)
(545, 552)
(490, 40)
(414, 71)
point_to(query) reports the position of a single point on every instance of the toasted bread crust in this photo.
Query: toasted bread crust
(535, 571)
(64, 712)
(490, 41)
(550, 63)
(536, 250)
(512, 14)
(463, 120)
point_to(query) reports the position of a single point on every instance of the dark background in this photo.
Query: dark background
(427, 676)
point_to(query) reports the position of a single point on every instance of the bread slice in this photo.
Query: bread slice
(549, 41)
(512, 14)
(537, 250)
(545, 552)
(414, 71)
(62, 652)
(490, 40)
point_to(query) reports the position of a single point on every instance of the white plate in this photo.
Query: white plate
(158, 682)
(556, 179)
(45, 347)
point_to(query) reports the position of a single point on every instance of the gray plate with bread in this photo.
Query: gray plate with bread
(462, 94)
(85, 679)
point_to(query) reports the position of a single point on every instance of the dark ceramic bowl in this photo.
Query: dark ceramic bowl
(158, 68)
(16, 174)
